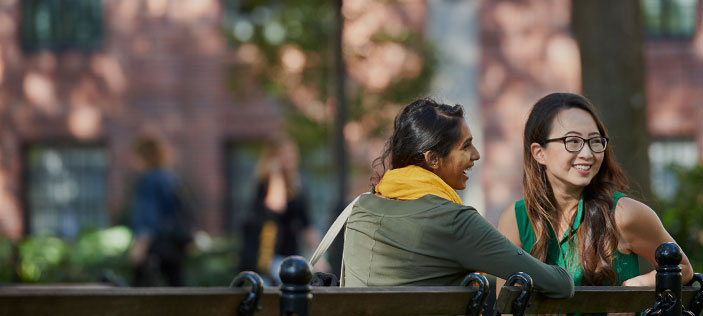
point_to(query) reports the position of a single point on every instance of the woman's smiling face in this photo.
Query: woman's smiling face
(564, 169)
(454, 167)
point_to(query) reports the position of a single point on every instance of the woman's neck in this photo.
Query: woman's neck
(566, 196)
(567, 206)
(566, 200)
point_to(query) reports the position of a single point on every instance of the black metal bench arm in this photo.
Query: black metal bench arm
(697, 301)
(250, 305)
(478, 302)
(521, 302)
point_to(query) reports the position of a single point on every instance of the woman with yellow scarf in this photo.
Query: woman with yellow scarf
(414, 228)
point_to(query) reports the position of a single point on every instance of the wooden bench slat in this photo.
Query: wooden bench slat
(589, 299)
(76, 300)
(391, 301)
(67, 300)
(82, 300)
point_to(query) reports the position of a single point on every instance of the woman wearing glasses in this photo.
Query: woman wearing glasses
(575, 213)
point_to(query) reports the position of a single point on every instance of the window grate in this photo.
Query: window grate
(65, 189)
(61, 24)
(670, 18)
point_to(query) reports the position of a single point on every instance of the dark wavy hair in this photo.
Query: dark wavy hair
(597, 235)
(421, 126)
(151, 150)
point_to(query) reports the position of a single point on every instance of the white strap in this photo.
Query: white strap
(332, 232)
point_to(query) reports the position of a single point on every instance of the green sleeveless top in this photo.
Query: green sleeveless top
(564, 252)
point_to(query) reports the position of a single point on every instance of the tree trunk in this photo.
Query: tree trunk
(610, 35)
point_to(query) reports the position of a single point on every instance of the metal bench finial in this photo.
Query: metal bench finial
(295, 273)
(668, 281)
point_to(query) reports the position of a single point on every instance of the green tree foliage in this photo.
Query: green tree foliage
(683, 214)
(287, 47)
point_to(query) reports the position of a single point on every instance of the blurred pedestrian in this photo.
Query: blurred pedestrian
(160, 225)
(278, 217)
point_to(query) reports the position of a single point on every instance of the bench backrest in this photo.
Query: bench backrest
(332, 301)
(590, 299)
(296, 297)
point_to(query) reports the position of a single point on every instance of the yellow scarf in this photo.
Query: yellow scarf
(413, 182)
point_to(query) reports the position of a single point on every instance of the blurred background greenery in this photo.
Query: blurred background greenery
(682, 214)
(100, 256)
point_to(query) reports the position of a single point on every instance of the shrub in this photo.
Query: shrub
(683, 214)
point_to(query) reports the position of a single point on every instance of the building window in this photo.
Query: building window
(61, 24)
(670, 18)
(64, 189)
(663, 155)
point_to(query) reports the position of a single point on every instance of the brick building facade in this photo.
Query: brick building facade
(160, 69)
(162, 66)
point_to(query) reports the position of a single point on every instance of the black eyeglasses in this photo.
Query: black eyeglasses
(575, 143)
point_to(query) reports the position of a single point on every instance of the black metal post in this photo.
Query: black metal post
(668, 286)
(295, 273)
(340, 148)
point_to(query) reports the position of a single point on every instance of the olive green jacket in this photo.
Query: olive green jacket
(433, 241)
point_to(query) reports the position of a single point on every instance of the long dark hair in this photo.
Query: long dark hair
(421, 126)
(597, 235)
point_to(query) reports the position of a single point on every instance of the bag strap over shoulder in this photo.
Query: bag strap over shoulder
(333, 232)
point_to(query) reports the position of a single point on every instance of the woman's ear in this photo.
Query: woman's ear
(432, 159)
(538, 153)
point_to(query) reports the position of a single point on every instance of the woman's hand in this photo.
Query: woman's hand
(642, 280)
(138, 252)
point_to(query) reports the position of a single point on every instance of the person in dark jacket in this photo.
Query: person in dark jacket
(158, 251)
(278, 222)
